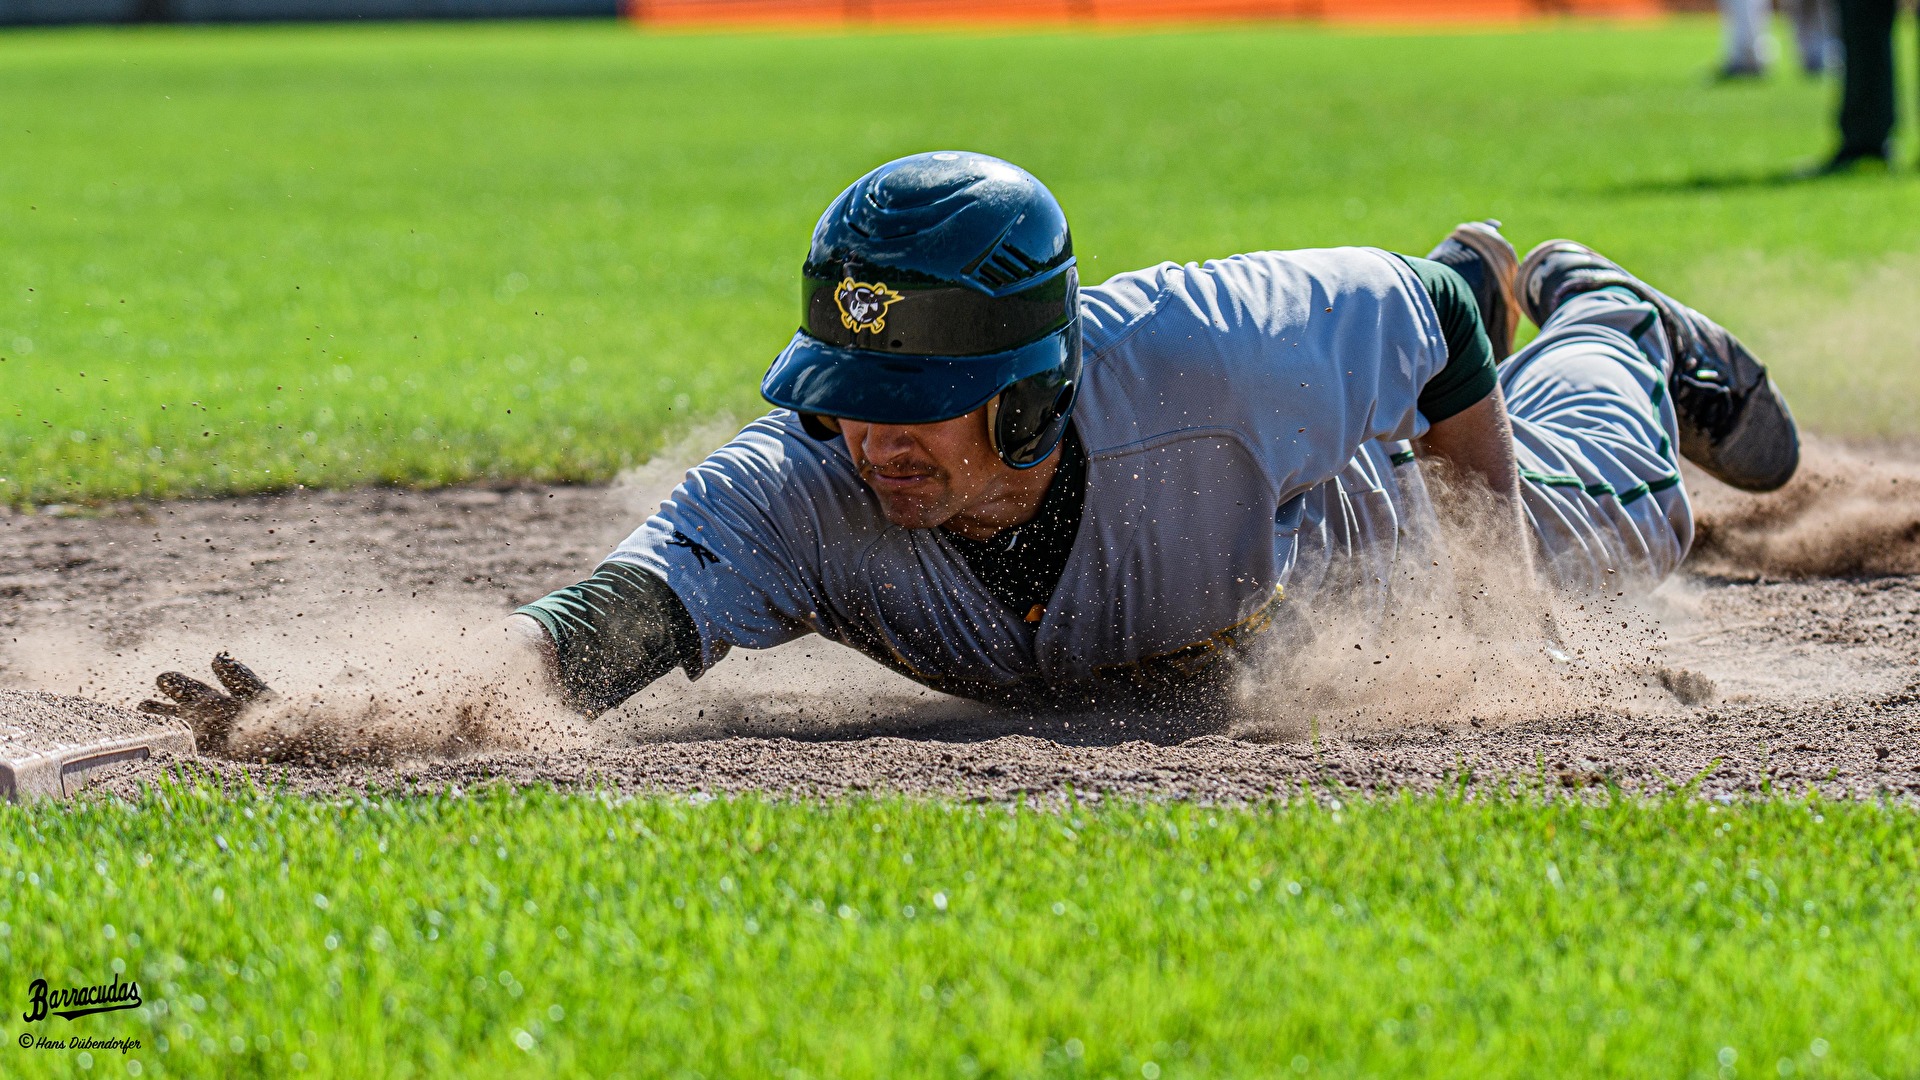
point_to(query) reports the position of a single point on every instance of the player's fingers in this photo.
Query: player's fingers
(160, 708)
(192, 694)
(239, 679)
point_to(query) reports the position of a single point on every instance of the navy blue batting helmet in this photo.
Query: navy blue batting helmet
(935, 285)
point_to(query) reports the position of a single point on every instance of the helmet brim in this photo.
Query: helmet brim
(811, 376)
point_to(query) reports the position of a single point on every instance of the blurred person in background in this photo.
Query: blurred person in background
(1749, 39)
(1749, 42)
(1816, 34)
(1866, 102)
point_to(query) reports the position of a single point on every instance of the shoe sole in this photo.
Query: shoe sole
(1503, 263)
(1536, 306)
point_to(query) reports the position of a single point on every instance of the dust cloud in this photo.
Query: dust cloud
(1470, 643)
(361, 681)
(1466, 638)
(1846, 513)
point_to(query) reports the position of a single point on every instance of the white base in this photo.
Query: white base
(59, 773)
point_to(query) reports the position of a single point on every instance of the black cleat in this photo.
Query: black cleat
(1733, 421)
(1477, 252)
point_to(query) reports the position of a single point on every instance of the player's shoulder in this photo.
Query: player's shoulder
(771, 455)
(1265, 289)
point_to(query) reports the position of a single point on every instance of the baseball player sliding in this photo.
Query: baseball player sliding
(1015, 489)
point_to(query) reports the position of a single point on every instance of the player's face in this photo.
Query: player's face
(927, 474)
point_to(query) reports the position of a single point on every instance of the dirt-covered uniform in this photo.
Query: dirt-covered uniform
(1243, 426)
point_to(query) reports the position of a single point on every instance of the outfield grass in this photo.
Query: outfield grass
(236, 259)
(572, 935)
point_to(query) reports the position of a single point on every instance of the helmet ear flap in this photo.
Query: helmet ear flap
(1025, 421)
(824, 428)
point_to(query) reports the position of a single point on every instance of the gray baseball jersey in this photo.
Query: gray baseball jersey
(1243, 420)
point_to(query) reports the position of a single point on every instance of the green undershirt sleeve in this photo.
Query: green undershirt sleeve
(1469, 376)
(614, 633)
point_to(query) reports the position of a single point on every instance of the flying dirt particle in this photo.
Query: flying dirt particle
(1690, 688)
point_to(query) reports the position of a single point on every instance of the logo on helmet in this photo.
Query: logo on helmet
(863, 307)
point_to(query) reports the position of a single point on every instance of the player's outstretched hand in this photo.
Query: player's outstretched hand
(208, 711)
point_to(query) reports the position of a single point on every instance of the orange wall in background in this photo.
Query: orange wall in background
(844, 12)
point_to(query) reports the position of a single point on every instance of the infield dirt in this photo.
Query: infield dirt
(376, 614)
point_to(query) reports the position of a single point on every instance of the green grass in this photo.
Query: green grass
(236, 259)
(573, 935)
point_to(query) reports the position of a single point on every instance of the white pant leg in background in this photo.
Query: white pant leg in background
(1744, 24)
(1816, 34)
(1597, 440)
